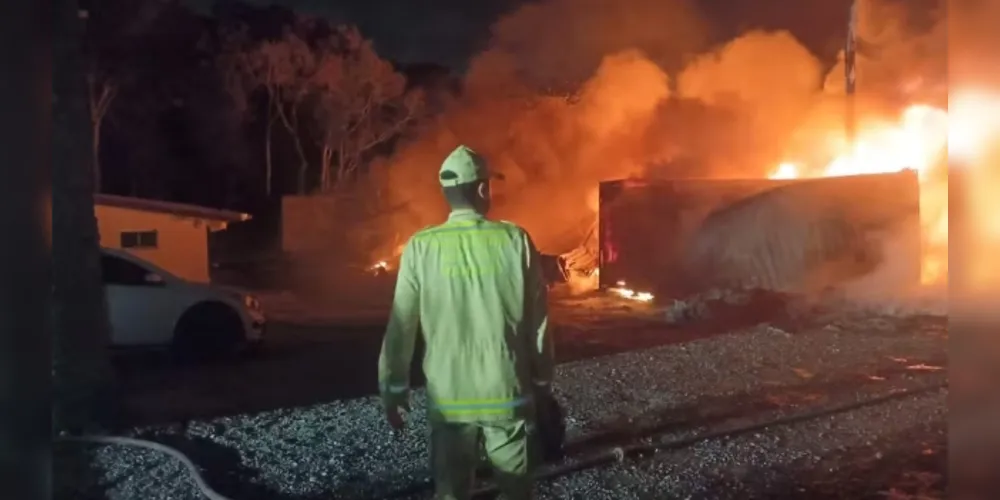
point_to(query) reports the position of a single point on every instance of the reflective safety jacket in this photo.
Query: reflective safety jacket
(475, 288)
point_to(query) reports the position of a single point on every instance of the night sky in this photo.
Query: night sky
(446, 32)
(449, 32)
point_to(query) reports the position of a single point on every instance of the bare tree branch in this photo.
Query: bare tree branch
(364, 105)
(101, 91)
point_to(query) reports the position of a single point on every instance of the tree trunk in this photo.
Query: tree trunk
(341, 165)
(95, 151)
(303, 163)
(324, 177)
(302, 178)
(81, 367)
(99, 95)
(268, 166)
(292, 126)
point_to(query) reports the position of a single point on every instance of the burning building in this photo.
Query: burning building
(879, 201)
(675, 237)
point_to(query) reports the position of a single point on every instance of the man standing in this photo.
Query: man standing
(475, 288)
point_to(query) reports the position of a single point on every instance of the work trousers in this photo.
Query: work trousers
(455, 453)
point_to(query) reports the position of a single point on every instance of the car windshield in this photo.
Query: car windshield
(132, 267)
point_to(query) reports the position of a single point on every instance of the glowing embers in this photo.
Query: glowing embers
(622, 290)
(378, 268)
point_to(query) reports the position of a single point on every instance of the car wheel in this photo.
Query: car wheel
(206, 331)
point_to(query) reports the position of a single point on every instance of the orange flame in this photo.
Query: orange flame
(627, 293)
(918, 140)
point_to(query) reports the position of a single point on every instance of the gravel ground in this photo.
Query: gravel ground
(911, 465)
(746, 466)
(344, 450)
(304, 365)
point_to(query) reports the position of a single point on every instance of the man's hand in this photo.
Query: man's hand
(395, 414)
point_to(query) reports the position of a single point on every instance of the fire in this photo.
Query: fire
(382, 266)
(920, 139)
(622, 291)
(785, 171)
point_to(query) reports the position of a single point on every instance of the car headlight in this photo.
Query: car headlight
(251, 302)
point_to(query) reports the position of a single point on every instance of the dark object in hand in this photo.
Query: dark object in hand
(551, 426)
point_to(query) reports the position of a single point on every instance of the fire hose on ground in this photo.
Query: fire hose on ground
(597, 459)
(199, 480)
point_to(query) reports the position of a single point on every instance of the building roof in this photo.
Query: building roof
(169, 207)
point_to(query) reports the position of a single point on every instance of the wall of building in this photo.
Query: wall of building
(182, 246)
(336, 228)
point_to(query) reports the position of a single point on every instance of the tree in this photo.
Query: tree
(362, 104)
(101, 93)
(243, 74)
(152, 129)
(81, 368)
(282, 69)
(213, 133)
(112, 49)
(291, 66)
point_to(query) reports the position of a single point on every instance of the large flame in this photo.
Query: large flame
(921, 139)
(974, 144)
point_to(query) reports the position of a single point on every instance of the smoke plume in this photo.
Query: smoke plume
(560, 43)
(573, 92)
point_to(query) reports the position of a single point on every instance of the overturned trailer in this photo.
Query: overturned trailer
(677, 237)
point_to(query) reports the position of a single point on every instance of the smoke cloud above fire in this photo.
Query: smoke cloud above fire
(573, 92)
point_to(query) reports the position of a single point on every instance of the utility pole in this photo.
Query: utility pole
(850, 75)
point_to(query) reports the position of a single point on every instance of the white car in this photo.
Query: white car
(150, 307)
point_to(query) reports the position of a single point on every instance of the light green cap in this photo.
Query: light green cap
(463, 166)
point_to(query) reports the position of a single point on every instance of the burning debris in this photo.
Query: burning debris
(580, 269)
(579, 266)
(583, 259)
(379, 268)
(623, 291)
(688, 236)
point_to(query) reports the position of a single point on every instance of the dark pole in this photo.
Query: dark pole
(81, 370)
(850, 74)
(25, 370)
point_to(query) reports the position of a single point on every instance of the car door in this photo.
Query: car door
(138, 303)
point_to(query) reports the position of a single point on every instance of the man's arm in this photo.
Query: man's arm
(400, 335)
(537, 315)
